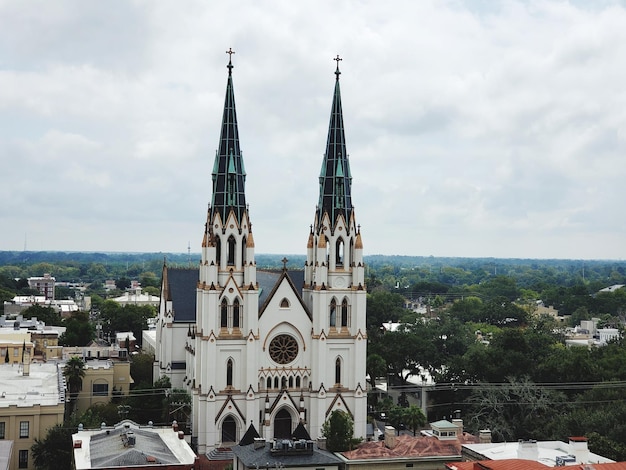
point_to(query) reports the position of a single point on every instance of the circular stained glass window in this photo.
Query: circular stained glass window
(283, 349)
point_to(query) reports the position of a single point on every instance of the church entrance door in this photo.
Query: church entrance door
(282, 425)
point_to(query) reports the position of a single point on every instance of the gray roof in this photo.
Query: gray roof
(108, 450)
(262, 458)
(183, 282)
(182, 286)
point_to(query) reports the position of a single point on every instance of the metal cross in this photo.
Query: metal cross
(284, 260)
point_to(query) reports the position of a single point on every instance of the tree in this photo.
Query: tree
(55, 450)
(48, 315)
(338, 431)
(79, 330)
(74, 372)
(414, 418)
(376, 367)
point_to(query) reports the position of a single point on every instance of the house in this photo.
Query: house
(429, 451)
(128, 445)
(107, 373)
(32, 400)
(136, 297)
(549, 453)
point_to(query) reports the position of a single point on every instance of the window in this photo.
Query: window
(231, 250)
(100, 390)
(23, 459)
(229, 373)
(224, 314)
(344, 313)
(24, 425)
(333, 313)
(15, 352)
(236, 315)
(2, 429)
(338, 371)
(284, 303)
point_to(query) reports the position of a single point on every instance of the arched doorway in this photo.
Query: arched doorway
(229, 430)
(282, 425)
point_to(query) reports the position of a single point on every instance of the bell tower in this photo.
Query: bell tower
(334, 284)
(223, 360)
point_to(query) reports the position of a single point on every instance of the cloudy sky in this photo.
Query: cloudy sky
(475, 129)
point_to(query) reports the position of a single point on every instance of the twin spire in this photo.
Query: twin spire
(229, 174)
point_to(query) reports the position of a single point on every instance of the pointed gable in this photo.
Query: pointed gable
(249, 436)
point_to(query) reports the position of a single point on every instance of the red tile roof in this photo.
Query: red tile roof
(409, 446)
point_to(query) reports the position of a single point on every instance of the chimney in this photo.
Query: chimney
(175, 426)
(578, 448)
(459, 424)
(527, 450)
(181, 434)
(484, 436)
(390, 437)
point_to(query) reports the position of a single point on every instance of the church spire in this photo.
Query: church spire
(335, 178)
(229, 174)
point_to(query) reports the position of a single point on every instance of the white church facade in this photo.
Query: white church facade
(274, 351)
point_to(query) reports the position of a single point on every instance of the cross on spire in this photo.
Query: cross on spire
(284, 260)
(230, 53)
(337, 72)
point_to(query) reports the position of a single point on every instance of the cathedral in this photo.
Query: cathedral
(272, 353)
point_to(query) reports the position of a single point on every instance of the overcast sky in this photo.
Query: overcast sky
(474, 129)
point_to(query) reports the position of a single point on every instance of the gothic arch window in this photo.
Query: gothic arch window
(275, 382)
(290, 381)
(326, 255)
(351, 252)
(229, 373)
(284, 303)
(229, 430)
(333, 313)
(232, 243)
(236, 314)
(224, 314)
(269, 382)
(339, 252)
(305, 381)
(218, 250)
(298, 382)
(338, 370)
(344, 313)
(244, 244)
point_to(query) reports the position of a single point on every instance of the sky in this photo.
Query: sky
(474, 128)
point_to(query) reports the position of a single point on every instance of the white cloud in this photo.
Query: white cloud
(474, 128)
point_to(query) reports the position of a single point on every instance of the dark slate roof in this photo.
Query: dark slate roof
(249, 436)
(182, 284)
(182, 287)
(301, 433)
(262, 458)
(268, 279)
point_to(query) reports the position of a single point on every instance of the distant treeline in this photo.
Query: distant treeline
(388, 270)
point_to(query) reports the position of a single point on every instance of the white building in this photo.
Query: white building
(269, 349)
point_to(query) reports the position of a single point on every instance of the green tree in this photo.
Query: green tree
(414, 418)
(55, 450)
(338, 430)
(376, 367)
(48, 315)
(74, 372)
(79, 330)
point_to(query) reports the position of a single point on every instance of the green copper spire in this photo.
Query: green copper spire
(335, 177)
(229, 175)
